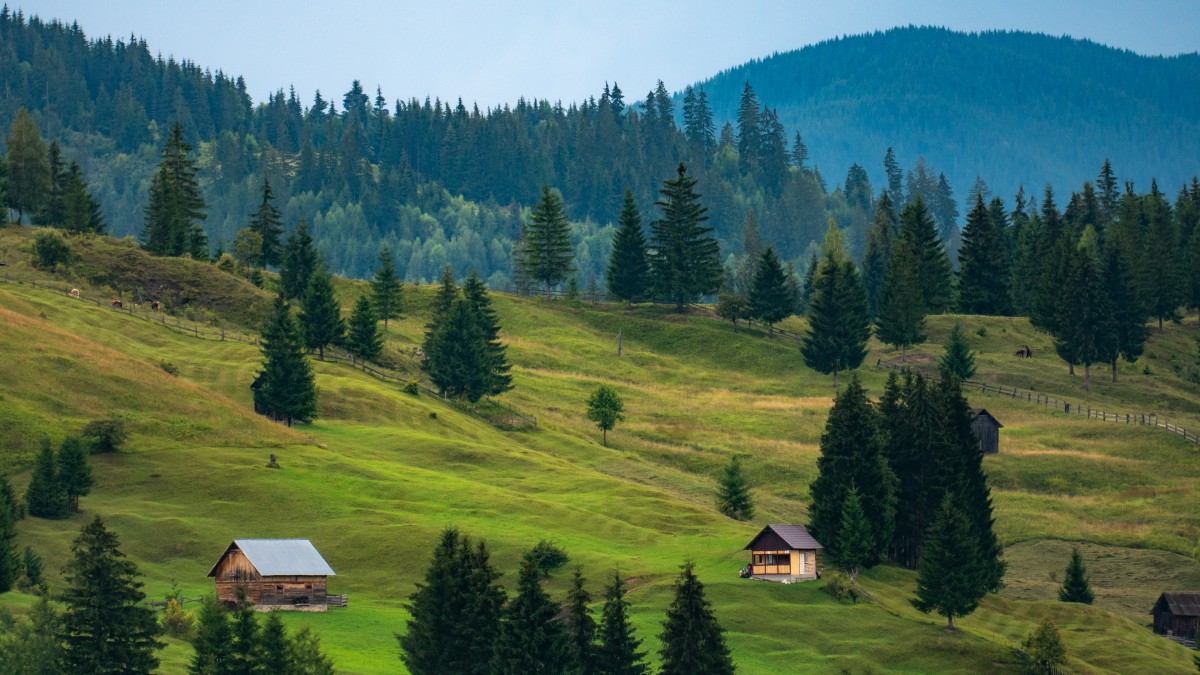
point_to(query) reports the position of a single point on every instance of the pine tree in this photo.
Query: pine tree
(74, 473)
(733, 492)
(1128, 318)
(455, 354)
(244, 652)
(52, 211)
(605, 408)
(685, 258)
(306, 654)
(581, 629)
(1158, 273)
(475, 292)
(770, 298)
(617, 652)
(81, 211)
(33, 647)
(320, 314)
(105, 628)
(628, 274)
(1085, 332)
(1076, 587)
(274, 651)
(10, 567)
(949, 581)
(933, 265)
(895, 179)
(881, 242)
(363, 341)
(982, 265)
(856, 545)
(838, 327)
(547, 247)
(267, 222)
(749, 128)
(28, 171)
(1044, 651)
(300, 259)
(1109, 196)
(530, 641)
(45, 497)
(852, 456)
(213, 642)
(957, 358)
(901, 318)
(387, 292)
(175, 208)
(285, 387)
(692, 640)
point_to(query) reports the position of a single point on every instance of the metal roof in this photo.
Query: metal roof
(1180, 603)
(795, 536)
(280, 557)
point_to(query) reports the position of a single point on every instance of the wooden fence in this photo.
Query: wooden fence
(1066, 407)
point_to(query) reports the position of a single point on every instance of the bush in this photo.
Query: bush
(50, 249)
(169, 368)
(106, 435)
(839, 585)
(1044, 652)
(412, 387)
(547, 557)
(982, 332)
(178, 622)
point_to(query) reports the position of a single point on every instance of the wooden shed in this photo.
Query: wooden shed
(273, 574)
(1177, 614)
(783, 553)
(987, 430)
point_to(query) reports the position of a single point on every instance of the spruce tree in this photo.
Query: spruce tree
(275, 654)
(628, 273)
(617, 651)
(33, 647)
(81, 211)
(581, 629)
(10, 566)
(982, 265)
(320, 314)
(547, 248)
(455, 355)
(949, 580)
(244, 652)
(957, 358)
(770, 298)
(106, 628)
(267, 222)
(933, 265)
(605, 408)
(881, 241)
(74, 472)
(45, 497)
(1128, 317)
(475, 292)
(300, 259)
(285, 387)
(530, 641)
(895, 179)
(1076, 586)
(387, 292)
(1158, 273)
(306, 655)
(838, 326)
(856, 545)
(692, 640)
(52, 210)
(685, 258)
(175, 209)
(733, 492)
(901, 318)
(363, 341)
(28, 177)
(214, 640)
(1085, 331)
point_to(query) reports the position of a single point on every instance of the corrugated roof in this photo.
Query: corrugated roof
(1181, 603)
(281, 557)
(795, 536)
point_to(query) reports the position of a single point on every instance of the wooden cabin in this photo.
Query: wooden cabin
(1177, 614)
(785, 553)
(987, 430)
(273, 574)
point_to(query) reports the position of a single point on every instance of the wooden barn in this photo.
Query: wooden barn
(1177, 614)
(273, 574)
(783, 553)
(987, 430)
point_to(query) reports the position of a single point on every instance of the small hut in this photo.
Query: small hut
(783, 553)
(273, 574)
(1177, 614)
(987, 430)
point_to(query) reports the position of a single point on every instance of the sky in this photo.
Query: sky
(562, 50)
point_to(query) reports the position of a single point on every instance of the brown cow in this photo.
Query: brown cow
(74, 293)
(117, 304)
(154, 306)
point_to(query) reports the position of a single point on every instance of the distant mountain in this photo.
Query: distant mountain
(1013, 107)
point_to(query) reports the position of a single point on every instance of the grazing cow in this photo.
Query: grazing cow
(1024, 352)
(154, 306)
(117, 304)
(74, 293)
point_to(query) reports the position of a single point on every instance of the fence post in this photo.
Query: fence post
(1067, 408)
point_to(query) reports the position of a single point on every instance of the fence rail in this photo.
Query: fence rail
(1066, 407)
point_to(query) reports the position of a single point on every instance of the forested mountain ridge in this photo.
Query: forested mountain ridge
(1013, 107)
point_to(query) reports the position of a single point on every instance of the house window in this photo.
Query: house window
(308, 587)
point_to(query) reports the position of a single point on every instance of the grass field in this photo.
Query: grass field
(381, 472)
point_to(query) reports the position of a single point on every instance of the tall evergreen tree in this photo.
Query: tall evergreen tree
(957, 358)
(320, 313)
(838, 326)
(81, 210)
(300, 260)
(530, 641)
(387, 292)
(881, 241)
(852, 456)
(105, 628)
(982, 265)
(628, 274)
(547, 247)
(1109, 196)
(692, 640)
(581, 629)
(733, 492)
(363, 340)
(933, 265)
(475, 292)
(1085, 332)
(275, 653)
(749, 129)
(1128, 317)
(950, 577)
(617, 652)
(285, 389)
(28, 171)
(901, 318)
(45, 497)
(1076, 586)
(856, 544)
(10, 566)
(213, 642)
(244, 652)
(685, 259)
(176, 208)
(1158, 274)
(895, 179)
(52, 210)
(770, 298)
(74, 472)
(267, 222)
(455, 354)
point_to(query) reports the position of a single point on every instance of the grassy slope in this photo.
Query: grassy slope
(376, 479)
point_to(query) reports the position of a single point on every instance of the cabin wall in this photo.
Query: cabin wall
(293, 590)
(988, 434)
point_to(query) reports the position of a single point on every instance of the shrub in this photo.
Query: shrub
(1044, 652)
(547, 557)
(169, 368)
(50, 249)
(412, 387)
(839, 585)
(106, 435)
(177, 621)
(982, 332)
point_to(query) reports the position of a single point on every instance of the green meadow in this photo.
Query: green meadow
(380, 473)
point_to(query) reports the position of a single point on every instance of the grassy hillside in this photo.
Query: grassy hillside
(381, 472)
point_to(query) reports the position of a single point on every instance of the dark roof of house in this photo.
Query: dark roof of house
(795, 536)
(1180, 603)
(280, 557)
(976, 412)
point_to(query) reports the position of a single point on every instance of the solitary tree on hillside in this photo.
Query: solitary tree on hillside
(733, 492)
(605, 408)
(546, 252)
(617, 652)
(267, 222)
(692, 640)
(28, 170)
(1044, 651)
(770, 298)
(320, 314)
(387, 292)
(838, 327)
(950, 581)
(685, 258)
(531, 641)
(957, 358)
(74, 473)
(628, 274)
(1076, 587)
(363, 341)
(285, 389)
(106, 628)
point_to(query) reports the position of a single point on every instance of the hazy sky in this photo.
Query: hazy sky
(493, 52)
